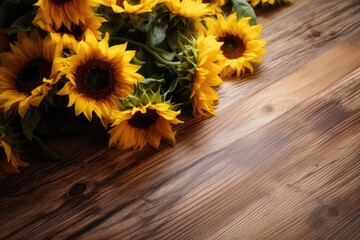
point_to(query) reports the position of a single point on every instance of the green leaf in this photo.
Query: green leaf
(156, 34)
(22, 24)
(30, 121)
(46, 151)
(244, 9)
(11, 10)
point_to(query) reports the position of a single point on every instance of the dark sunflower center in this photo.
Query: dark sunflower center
(60, 2)
(32, 74)
(76, 31)
(144, 120)
(233, 46)
(95, 79)
(206, 1)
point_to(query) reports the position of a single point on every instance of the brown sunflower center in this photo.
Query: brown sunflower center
(144, 120)
(206, 1)
(32, 74)
(233, 46)
(95, 79)
(60, 2)
(76, 30)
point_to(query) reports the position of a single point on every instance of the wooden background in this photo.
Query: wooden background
(280, 161)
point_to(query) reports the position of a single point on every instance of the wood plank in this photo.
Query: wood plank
(275, 160)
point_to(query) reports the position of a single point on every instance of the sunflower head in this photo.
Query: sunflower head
(132, 6)
(27, 72)
(58, 13)
(74, 31)
(242, 45)
(97, 75)
(265, 3)
(201, 63)
(190, 9)
(144, 117)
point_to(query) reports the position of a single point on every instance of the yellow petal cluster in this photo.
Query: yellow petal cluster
(141, 125)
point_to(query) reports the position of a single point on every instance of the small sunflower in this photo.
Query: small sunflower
(254, 3)
(64, 12)
(190, 9)
(215, 4)
(9, 160)
(144, 120)
(132, 7)
(76, 31)
(27, 73)
(209, 62)
(242, 45)
(98, 75)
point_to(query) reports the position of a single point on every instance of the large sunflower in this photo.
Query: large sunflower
(76, 31)
(27, 73)
(132, 7)
(9, 161)
(145, 122)
(209, 62)
(98, 75)
(190, 9)
(242, 45)
(64, 12)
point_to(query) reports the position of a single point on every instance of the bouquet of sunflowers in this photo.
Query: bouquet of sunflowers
(131, 65)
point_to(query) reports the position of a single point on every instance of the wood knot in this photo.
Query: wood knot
(268, 108)
(77, 189)
(332, 212)
(315, 33)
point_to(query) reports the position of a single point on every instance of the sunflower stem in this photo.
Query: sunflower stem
(149, 50)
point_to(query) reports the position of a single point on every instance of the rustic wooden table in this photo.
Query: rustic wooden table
(280, 161)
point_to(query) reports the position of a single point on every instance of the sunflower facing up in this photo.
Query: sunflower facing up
(9, 160)
(98, 75)
(143, 119)
(242, 45)
(27, 72)
(190, 9)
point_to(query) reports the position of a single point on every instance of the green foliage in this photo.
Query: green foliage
(244, 9)
(17, 15)
(30, 121)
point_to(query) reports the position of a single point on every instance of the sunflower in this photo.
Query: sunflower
(132, 7)
(9, 160)
(98, 75)
(242, 45)
(190, 9)
(265, 2)
(215, 4)
(209, 62)
(27, 73)
(64, 12)
(76, 31)
(145, 122)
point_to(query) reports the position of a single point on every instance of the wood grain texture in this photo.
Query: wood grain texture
(280, 161)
